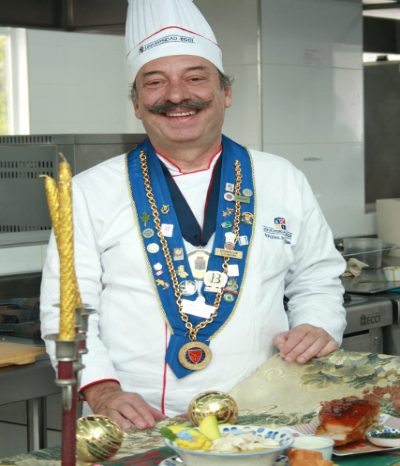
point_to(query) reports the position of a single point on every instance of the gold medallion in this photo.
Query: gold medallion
(195, 355)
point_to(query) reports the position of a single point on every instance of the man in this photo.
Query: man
(187, 246)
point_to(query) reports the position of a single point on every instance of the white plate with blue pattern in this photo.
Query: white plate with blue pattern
(176, 461)
(271, 456)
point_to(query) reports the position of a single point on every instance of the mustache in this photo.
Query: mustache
(166, 107)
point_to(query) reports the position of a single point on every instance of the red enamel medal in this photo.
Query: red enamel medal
(195, 355)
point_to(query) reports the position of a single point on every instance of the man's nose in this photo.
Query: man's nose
(176, 92)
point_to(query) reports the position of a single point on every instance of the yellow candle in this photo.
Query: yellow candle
(52, 201)
(66, 253)
(64, 246)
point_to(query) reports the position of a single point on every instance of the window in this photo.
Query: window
(5, 111)
(14, 108)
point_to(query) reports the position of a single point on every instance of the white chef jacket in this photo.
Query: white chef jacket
(128, 336)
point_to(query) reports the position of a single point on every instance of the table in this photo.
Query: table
(266, 398)
(153, 457)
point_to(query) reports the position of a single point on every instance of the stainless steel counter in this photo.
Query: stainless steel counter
(372, 281)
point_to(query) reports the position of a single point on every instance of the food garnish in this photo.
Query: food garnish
(209, 427)
(186, 437)
(207, 437)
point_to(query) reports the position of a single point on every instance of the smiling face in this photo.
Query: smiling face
(181, 104)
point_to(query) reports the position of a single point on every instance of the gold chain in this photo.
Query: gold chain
(193, 331)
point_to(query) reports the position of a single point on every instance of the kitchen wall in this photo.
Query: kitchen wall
(299, 93)
(312, 85)
(298, 90)
(78, 83)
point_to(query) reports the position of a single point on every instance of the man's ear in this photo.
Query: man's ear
(137, 110)
(228, 97)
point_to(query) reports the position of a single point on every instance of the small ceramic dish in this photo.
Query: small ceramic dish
(392, 273)
(387, 437)
(313, 442)
(256, 458)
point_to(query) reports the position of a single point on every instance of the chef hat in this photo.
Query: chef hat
(161, 28)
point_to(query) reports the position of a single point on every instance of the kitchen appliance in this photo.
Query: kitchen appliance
(367, 319)
(23, 159)
(24, 219)
(19, 306)
(391, 335)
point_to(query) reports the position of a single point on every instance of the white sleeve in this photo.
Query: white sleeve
(89, 273)
(313, 286)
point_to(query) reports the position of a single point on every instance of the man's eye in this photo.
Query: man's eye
(153, 83)
(197, 79)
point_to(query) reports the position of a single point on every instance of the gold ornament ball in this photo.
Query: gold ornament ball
(97, 438)
(222, 405)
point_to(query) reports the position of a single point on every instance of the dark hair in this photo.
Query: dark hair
(225, 81)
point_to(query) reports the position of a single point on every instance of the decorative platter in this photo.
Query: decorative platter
(356, 448)
(283, 435)
(176, 461)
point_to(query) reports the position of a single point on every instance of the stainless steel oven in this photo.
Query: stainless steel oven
(367, 321)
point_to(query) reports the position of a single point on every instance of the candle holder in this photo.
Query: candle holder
(69, 367)
(83, 312)
(67, 356)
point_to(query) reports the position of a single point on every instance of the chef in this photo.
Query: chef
(201, 257)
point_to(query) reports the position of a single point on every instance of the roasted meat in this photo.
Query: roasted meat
(299, 457)
(347, 419)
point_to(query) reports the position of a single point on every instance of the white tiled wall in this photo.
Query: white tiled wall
(236, 26)
(304, 104)
(339, 192)
(78, 84)
(312, 101)
(242, 120)
(298, 92)
(312, 32)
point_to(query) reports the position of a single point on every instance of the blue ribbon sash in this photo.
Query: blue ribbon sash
(231, 152)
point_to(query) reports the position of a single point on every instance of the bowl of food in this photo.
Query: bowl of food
(386, 437)
(313, 442)
(227, 445)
